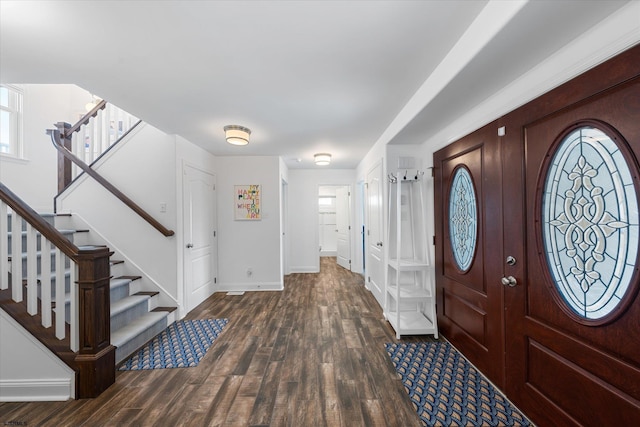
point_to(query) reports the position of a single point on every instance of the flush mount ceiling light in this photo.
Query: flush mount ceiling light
(237, 135)
(92, 104)
(322, 159)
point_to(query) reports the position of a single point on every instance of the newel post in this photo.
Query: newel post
(64, 164)
(96, 355)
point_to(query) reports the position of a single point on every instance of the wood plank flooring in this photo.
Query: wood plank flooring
(311, 355)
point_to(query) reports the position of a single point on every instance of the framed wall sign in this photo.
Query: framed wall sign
(247, 202)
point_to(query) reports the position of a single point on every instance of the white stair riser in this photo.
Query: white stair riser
(125, 317)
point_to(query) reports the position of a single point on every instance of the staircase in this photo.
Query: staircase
(135, 314)
(67, 288)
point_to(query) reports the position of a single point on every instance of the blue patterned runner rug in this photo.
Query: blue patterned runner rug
(181, 345)
(447, 390)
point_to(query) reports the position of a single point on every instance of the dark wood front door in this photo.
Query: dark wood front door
(549, 307)
(469, 293)
(572, 323)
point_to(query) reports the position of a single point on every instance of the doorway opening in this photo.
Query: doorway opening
(334, 223)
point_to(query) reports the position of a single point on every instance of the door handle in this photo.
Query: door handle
(189, 245)
(509, 281)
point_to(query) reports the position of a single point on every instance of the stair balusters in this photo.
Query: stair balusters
(37, 255)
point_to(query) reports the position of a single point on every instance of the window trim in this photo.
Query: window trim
(16, 142)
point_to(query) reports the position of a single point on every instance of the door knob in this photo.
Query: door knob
(509, 281)
(189, 245)
(379, 244)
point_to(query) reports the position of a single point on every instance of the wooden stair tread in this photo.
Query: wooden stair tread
(85, 247)
(148, 293)
(132, 278)
(169, 309)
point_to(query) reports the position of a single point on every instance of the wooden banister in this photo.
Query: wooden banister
(85, 119)
(94, 362)
(58, 138)
(32, 217)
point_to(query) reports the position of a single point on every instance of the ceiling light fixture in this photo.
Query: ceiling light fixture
(92, 104)
(322, 159)
(237, 135)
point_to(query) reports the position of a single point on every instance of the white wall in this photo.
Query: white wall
(29, 371)
(422, 164)
(303, 214)
(249, 244)
(613, 35)
(143, 167)
(43, 106)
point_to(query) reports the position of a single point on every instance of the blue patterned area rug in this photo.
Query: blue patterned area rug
(447, 390)
(181, 345)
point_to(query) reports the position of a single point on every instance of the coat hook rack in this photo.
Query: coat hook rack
(394, 178)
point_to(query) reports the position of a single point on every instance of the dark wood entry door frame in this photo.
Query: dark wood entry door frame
(469, 302)
(557, 359)
(558, 372)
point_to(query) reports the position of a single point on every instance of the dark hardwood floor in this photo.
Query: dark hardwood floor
(311, 355)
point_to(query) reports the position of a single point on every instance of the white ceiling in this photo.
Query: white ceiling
(305, 76)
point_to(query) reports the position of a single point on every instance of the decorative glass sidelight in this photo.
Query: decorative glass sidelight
(463, 218)
(590, 222)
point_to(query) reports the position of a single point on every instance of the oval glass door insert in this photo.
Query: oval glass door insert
(463, 218)
(590, 223)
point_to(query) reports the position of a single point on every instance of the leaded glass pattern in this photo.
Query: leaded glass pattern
(590, 223)
(463, 218)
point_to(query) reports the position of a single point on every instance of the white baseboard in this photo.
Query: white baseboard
(48, 390)
(328, 253)
(247, 287)
(305, 269)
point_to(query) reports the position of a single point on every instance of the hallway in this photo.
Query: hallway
(310, 355)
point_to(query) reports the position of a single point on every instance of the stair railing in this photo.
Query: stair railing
(88, 330)
(97, 131)
(63, 137)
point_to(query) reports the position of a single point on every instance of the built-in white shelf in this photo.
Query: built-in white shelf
(411, 323)
(409, 297)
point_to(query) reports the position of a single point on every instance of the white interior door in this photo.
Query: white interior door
(200, 252)
(375, 251)
(343, 227)
(283, 228)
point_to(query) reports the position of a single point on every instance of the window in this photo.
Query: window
(591, 224)
(11, 121)
(463, 218)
